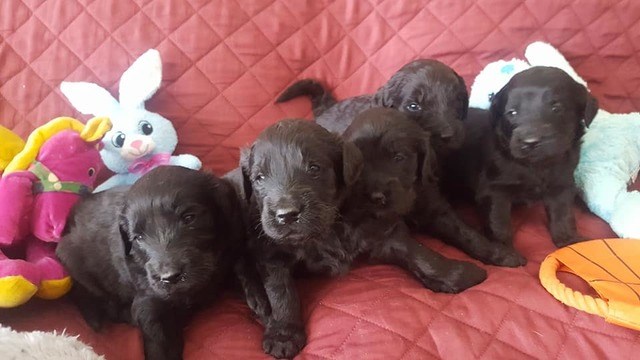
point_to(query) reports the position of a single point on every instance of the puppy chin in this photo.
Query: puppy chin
(542, 153)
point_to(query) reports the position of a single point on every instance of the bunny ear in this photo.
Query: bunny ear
(141, 80)
(89, 98)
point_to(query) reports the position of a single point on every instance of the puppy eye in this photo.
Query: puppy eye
(146, 127)
(118, 139)
(91, 172)
(556, 108)
(188, 219)
(137, 238)
(399, 157)
(414, 107)
(259, 178)
(313, 169)
(512, 113)
(491, 95)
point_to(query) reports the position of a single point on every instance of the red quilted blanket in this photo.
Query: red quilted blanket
(225, 62)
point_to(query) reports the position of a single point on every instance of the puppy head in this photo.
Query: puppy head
(296, 174)
(397, 158)
(541, 113)
(432, 94)
(177, 224)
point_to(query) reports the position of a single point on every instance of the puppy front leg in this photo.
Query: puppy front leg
(284, 334)
(161, 328)
(496, 209)
(562, 222)
(91, 307)
(434, 213)
(432, 269)
(253, 288)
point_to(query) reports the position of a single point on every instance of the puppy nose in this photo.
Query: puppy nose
(378, 198)
(530, 142)
(170, 277)
(287, 215)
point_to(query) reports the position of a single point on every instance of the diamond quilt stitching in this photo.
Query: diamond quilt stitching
(226, 61)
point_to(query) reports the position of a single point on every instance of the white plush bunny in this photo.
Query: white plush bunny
(140, 140)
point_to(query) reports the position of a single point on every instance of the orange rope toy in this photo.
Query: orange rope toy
(610, 266)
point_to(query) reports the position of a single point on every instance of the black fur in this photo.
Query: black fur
(427, 91)
(151, 254)
(526, 149)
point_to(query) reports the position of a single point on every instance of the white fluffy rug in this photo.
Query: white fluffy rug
(39, 345)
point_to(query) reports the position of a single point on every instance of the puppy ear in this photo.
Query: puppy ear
(123, 227)
(384, 96)
(591, 109)
(427, 161)
(245, 166)
(352, 163)
(463, 98)
(497, 105)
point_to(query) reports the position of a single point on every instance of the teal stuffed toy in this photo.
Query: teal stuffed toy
(610, 152)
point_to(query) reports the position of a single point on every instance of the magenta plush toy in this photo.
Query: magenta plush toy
(58, 164)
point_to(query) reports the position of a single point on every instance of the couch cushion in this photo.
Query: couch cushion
(224, 64)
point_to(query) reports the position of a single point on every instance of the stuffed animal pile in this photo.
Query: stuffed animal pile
(38, 188)
(140, 140)
(610, 152)
(60, 161)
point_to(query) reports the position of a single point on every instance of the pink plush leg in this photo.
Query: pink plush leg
(19, 281)
(50, 212)
(43, 256)
(16, 201)
(18, 267)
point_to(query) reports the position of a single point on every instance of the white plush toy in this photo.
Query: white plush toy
(610, 152)
(139, 140)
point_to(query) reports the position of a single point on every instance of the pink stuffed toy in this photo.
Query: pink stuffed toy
(59, 163)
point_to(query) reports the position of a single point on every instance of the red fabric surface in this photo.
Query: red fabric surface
(224, 64)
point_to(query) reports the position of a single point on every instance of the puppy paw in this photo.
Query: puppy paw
(508, 257)
(283, 341)
(94, 319)
(563, 241)
(461, 276)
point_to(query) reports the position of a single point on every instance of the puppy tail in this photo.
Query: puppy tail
(321, 98)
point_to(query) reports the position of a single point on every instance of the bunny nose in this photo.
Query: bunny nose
(136, 144)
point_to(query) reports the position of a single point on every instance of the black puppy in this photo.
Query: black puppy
(151, 253)
(435, 97)
(526, 148)
(398, 160)
(296, 175)
(427, 91)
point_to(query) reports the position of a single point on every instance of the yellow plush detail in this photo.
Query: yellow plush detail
(53, 289)
(15, 291)
(95, 129)
(22, 160)
(10, 145)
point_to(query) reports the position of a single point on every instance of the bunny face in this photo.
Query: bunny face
(71, 158)
(136, 133)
